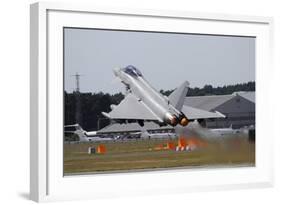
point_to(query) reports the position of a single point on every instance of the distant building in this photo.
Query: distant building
(239, 108)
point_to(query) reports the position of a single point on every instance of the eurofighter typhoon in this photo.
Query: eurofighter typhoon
(144, 103)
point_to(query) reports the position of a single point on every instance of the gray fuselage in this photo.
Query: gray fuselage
(150, 97)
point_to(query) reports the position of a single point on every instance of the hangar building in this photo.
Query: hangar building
(239, 109)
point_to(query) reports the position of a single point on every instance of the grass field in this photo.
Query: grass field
(141, 154)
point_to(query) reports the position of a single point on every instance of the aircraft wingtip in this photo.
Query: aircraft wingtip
(220, 114)
(105, 114)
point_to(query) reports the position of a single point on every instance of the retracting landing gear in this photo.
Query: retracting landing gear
(141, 122)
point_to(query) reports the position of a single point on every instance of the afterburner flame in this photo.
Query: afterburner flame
(189, 144)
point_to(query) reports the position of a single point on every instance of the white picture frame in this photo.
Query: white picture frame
(46, 177)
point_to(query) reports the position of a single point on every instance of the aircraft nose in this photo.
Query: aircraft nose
(116, 71)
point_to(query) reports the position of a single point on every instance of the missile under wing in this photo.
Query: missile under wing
(144, 103)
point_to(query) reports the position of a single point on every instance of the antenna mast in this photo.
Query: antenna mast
(78, 114)
(77, 78)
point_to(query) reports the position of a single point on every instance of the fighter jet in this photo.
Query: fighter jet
(144, 103)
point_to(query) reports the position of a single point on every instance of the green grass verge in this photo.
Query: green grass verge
(140, 154)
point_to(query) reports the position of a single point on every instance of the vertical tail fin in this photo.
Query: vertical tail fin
(78, 130)
(177, 97)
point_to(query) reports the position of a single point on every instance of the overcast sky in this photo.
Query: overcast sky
(165, 59)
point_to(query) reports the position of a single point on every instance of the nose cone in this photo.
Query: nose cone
(116, 71)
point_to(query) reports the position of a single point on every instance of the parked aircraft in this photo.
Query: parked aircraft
(225, 131)
(144, 134)
(144, 103)
(83, 135)
(215, 134)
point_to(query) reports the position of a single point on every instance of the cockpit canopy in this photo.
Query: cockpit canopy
(133, 71)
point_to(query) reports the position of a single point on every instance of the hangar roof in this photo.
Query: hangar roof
(251, 96)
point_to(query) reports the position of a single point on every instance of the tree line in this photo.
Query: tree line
(210, 90)
(92, 104)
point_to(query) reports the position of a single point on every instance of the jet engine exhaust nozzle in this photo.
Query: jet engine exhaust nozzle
(184, 121)
(174, 121)
(171, 119)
